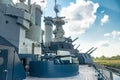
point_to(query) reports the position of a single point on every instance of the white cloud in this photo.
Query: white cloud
(104, 19)
(81, 15)
(114, 34)
(103, 44)
(112, 50)
(107, 34)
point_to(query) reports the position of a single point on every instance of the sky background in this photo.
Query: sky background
(95, 22)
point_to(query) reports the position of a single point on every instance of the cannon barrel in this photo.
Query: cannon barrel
(74, 45)
(92, 51)
(75, 39)
(78, 46)
(89, 50)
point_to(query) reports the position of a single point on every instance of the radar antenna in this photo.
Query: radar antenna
(56, 8)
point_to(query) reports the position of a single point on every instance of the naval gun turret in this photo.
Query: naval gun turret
(85, 58)
(89, 58)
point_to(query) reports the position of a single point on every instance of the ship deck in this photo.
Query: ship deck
(85, 73)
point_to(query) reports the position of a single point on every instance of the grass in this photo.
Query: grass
(110, 63)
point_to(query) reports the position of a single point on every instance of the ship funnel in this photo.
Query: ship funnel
(48, 30)
(6, 1)
(89, 50)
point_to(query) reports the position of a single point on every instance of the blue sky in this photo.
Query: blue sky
(95, 22)
(103, 32)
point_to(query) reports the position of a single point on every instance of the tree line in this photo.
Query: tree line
(117, 57)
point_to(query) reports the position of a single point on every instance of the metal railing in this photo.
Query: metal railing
(103, 73)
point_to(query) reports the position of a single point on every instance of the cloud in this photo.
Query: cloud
(104, 19)
(103, 44)
(107, 34)
(112, 50)
(114, 34)
(81, 15)
(119, 38)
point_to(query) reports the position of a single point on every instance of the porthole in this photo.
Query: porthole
(1, 61)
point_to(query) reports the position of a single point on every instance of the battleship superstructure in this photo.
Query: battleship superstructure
(57, 59)
(23, 52)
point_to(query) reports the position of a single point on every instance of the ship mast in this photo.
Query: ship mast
(58, 22)
(56, 8)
